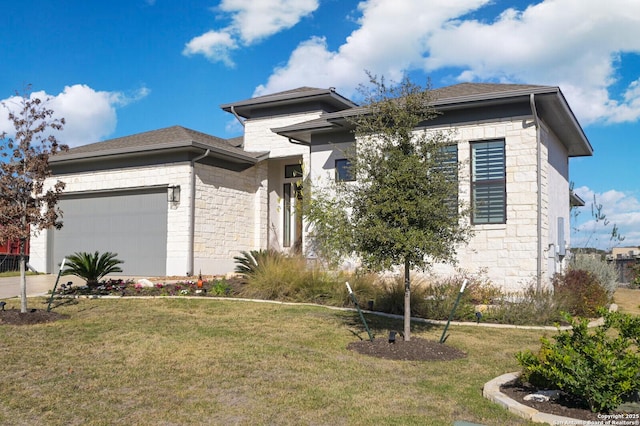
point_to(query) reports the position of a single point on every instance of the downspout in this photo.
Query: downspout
(240, 120)
(536, 122)
(192, 212)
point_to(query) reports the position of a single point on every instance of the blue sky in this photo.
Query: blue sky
(126, 66)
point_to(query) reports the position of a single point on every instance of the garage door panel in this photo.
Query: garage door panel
(131, 224)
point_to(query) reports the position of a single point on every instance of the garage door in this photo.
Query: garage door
(132, 224)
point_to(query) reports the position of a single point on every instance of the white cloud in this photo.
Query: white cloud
(255, 20)
(574, 44)
(618, 208)
(90, 115)
(379, 45)
(214, 45)
(251, 21)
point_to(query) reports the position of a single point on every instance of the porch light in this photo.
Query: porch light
(174, 194)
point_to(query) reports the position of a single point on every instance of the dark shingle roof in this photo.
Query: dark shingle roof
(167, 138)
(477, 89)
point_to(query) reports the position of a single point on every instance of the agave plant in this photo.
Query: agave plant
(92, 266)
(249, 261)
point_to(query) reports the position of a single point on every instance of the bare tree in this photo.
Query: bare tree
(26, 206)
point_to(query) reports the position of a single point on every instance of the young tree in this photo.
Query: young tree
(26, 206)
(403, 208)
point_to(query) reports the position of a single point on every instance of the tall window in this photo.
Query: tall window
(488, 182)
(448, 160)
(292, 207)
(343, 171)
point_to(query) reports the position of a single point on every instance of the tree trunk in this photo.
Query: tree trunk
(23, 278)
(407, 302)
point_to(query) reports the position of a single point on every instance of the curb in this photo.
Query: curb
(491, 391)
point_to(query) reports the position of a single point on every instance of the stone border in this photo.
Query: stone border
(491, 391)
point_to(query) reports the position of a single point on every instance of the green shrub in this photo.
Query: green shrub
(580, 292)
(604, 272)
(600, 367)
(92, 266)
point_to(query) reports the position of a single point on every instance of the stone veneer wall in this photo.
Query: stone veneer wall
(128, 178)
(231, 208)
(506, 253)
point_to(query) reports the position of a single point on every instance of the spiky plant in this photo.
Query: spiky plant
(92, 266)
(249, 261)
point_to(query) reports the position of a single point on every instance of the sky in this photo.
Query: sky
(120, 67)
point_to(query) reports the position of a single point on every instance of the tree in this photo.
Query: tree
(403, 209)
(92, 266)
(26, 206)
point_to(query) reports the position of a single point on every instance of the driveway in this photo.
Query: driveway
(36, 284)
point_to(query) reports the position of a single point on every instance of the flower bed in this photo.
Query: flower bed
(215, 287)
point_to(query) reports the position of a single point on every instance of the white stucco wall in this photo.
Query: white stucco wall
(129, 178)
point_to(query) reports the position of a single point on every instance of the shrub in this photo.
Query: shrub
(580, 293)
(601, 367)
(390, 299)
(604, 272)
(528, 307)
(92, 266)
(635, 281)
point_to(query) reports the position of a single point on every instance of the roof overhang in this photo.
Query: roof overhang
(327, 97)
(550, 104)
(160, 148)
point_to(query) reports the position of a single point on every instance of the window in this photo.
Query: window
(292, 207)
(448, 160)
(293, 171)
(288, 214)
(488, 182)
(343, 171)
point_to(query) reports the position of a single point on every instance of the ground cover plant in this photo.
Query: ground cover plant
(216, 361)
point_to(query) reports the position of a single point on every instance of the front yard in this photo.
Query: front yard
(213, 361)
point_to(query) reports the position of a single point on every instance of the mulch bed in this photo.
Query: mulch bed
(415, 349)
(564, 406)
(32, 316)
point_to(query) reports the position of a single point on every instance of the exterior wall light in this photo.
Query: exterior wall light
(174, 194)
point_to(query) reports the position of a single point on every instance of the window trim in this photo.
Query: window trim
(474, 185)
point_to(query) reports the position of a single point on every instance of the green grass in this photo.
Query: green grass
(220, 362)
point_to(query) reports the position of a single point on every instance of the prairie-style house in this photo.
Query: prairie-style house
(176, 201)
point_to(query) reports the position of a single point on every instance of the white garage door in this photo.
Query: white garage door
(132, 224)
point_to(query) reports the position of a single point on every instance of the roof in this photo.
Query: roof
(170, 138)
(549, 102)
(331, 100)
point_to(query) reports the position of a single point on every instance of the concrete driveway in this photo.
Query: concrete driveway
(37, 285)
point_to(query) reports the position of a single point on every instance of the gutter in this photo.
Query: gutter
(536, 122)
(192, 212)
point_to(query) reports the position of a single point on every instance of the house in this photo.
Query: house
(176, 201)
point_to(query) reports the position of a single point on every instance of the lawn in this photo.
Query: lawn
(628, 300)
(220, 362)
